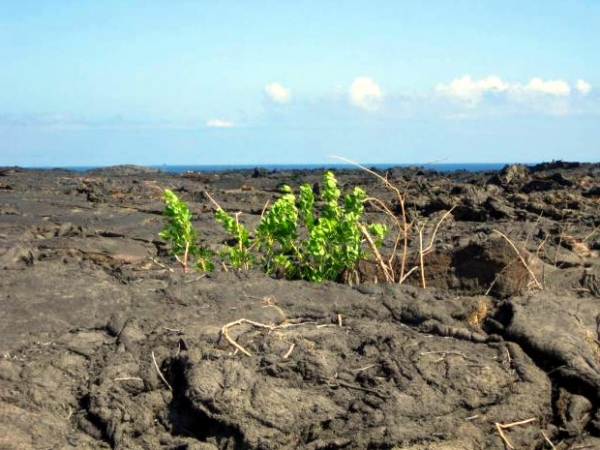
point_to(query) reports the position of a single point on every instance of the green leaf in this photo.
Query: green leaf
(179, 230)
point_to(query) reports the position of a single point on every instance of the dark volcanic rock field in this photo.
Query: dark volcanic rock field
(106, 343)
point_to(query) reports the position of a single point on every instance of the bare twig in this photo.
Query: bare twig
(225, 332)
(421, 257)
(185, 256)
(161, 265)
(429, 248)
(518, 423)
(403, 225)
(264, 210)
(435, 230)
(387, 270)
(289, 352)
(522, 259)
(270, 328)
(160, 373)
(128, 379)
(370, 366)
(212, 200)
(494, 281)
(407, 274)
(503, 436)
(501, 427)
(195, 279)
(547, 439)
(383, 208)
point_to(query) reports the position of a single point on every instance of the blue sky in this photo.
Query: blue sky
(269, 82)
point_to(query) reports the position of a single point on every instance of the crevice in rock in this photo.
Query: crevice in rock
(182, 419)
(90, 423)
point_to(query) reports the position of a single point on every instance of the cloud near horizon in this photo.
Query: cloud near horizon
(365, 94)
(583, 87)
(461, 98)
(472, 92)
(218, 123)
(278, 93)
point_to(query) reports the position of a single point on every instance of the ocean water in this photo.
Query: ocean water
(469, 167)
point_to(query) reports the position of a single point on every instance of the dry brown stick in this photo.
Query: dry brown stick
(225, 334)
(289, 352)
(428, 249)
(232, 342)
(160, 373)
(225, 331)
(403, 229)
(548, 440)
(421, 257)
(407, 274)
(370, 366)
(436, 229)
(494, 281)
(405, 246)
(174, 330)
(264, 210)
(185, 256)
(386, 269)
(503, 436)
(503, 426)
(195, 279)
(537, 283)
(400, 199)
(382, 207)
(539, 248)
(213, 201)
(161, 265)
(498, 275)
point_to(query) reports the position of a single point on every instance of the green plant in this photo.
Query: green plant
(238, 253)
(277, 235)
(204, 260)
(181, 234)
(301, 238)
(403, 227)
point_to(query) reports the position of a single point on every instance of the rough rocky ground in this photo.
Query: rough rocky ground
(504, 343)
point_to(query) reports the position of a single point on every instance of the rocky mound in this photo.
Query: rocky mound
(106, 343)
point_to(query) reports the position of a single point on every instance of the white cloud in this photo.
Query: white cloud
(547, 96)
(472, 91)
(217, 123)
(583, 86)
(278, 93)
(551, 87)
(365, 94)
